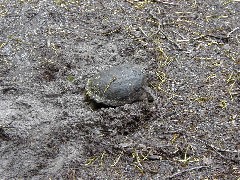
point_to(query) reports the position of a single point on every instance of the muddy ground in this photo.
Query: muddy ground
(48, 50)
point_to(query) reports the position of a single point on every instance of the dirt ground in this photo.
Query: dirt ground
(48, 50)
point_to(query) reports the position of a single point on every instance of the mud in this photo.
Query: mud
(49, 49)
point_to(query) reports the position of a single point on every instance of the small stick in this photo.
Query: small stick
(218, 150)
(185, 171)
(159, 30)
(167, 3)
(235, 29)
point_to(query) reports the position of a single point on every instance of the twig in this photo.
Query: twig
(218, 150)
(235, 29)
(214, 148)
(185, 171)
(117, 159)
(159, 30)
(220, 37)
(143, 32)
(167, 3)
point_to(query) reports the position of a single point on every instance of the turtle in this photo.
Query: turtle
(118, 85)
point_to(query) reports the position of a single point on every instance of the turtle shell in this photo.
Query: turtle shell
(118, 85)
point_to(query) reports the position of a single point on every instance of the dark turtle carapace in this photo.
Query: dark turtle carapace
(119, 85)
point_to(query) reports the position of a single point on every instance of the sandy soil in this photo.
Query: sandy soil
(48, 50)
